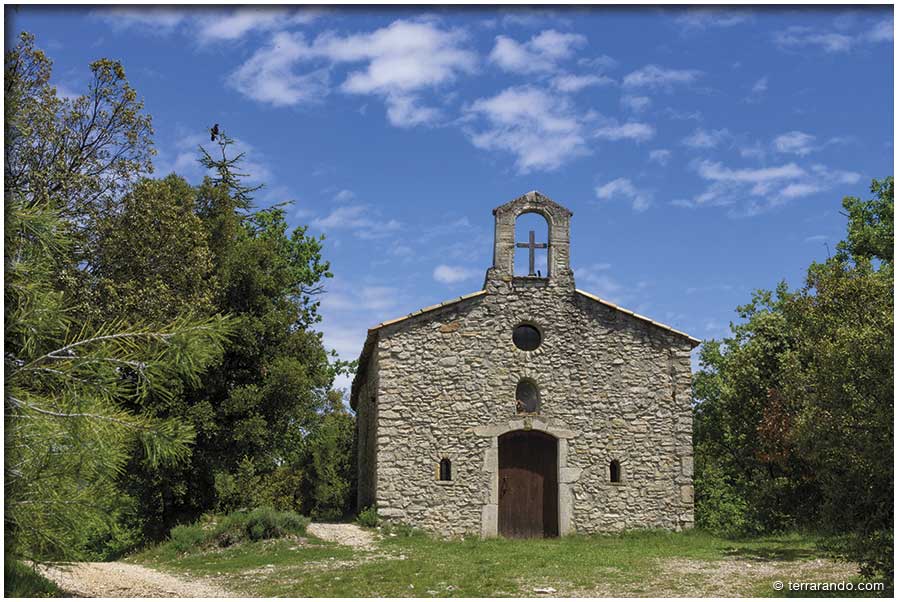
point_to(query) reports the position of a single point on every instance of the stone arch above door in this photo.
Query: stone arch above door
(567, 476)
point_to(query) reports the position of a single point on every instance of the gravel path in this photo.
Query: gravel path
(124, 580)
(342, 533)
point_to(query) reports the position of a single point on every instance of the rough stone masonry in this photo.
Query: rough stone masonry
(436, 391)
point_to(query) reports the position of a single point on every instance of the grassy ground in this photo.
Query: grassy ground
(21, 581)
(411, 564)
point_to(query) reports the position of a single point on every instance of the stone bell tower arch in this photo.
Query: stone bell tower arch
(559, 244)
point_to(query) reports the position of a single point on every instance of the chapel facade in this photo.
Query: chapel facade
(527, 409)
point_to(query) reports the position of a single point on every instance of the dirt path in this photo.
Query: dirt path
(720, 578)
(343, 533)
(123, 580)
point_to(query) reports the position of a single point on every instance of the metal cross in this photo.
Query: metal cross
(532, 245)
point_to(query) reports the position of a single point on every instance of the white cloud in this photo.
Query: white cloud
(403, 57)
(234, 24)
(797, 190)
(703, 18)
(632, 130)
(405, 112)
(269, 77)
(661, 156)
(816, 238)
(540, 54)
(204, 25)
(344, 196)
(360, 219)
(795, 142)
(798, 36)
(575, 83)
(452, 274)
(755, 151)
(596, 279)
(602, 62)
(761, 189)
(883, 31)
(624, 188)
(532, 17)
(401, 60)
(835, 176)
(636, 104)
(346, 340)
(718, 173)
(653, 76)
(541, 130)
(760, 86)
(702, 138)
(152, 19)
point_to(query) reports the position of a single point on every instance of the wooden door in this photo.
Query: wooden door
(528, 484)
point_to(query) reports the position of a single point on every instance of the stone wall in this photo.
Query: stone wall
(366, 435)
(612, 386)
(617, 386)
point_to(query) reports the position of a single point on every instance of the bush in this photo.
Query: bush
(267, 523)
(187, 537)
(224, 531)
(719, 508)
(368, 517)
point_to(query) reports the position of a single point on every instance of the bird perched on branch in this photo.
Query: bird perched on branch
(214, 132)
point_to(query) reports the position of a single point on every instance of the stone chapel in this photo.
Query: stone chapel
(527, 409)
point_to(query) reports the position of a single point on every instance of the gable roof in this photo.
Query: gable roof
(694, 341)
(374, 331)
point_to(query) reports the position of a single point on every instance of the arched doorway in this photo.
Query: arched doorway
(528, 484)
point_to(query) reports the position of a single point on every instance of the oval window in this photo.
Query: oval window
(527, 337)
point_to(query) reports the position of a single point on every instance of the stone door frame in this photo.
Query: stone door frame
(567, 476)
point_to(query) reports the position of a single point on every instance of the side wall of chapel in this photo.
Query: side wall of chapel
(366, 436)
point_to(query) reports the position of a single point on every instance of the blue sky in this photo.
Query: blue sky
(703, 152)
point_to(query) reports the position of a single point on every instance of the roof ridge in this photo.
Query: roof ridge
(639, 316)
(424, 310)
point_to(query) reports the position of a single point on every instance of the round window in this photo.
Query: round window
(527, 337)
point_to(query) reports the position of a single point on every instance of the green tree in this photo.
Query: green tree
(76, 379)
(67, 434)
(152, 258)
(330, 463)
(252, 411)
(842, 378)
(794, 411)
(76, 155)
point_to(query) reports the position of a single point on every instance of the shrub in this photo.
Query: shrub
(367, 517)
(224, 531)
(187, 537)
(267, 523)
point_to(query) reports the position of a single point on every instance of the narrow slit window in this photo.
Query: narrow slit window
(615, 471)
(527, 397)
(445, 469)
